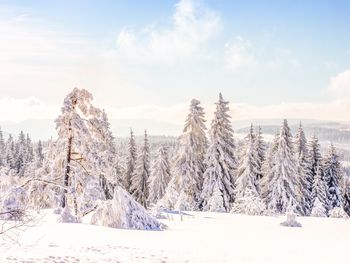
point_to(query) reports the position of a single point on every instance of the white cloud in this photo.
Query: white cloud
(20, 109)
(239, 53)
(340, 85)
(192, 26)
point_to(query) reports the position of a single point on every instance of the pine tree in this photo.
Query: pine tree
(221, 161)
(29, 150)
(160, 176)
(346, 195)
(189, 164)
(139, 180)
(20, 154)
(304, 171)
(39, 154)
(318, 185)
(260, 147)
(282, 181)
(2, 150)
(132, 156)
(333, 177)
(246, 192)
(10, 152)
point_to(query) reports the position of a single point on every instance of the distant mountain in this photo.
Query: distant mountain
(45, 128)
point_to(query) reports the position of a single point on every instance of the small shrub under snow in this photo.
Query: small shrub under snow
(124, 212)
(14, 204)
(338, 212)
(67, 217)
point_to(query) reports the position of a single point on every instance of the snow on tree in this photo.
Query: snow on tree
(14, 203)
(21, 154)
(39, 155)
(124, 212)
(268, 164)
(338, 212)
(333, 177)
(132, 156)
(220, 160)
(318, 209)
(282, 180)
(139, 180)
(260, 147)
(291, 218)
(346, 195)
(246, 192)
(160, 176)
(189, 164)
(2, 150)
(83, 151)
(10, 152)
(303, 167)
(319, 187)
(29, 150)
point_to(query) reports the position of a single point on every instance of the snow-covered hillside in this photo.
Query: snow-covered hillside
(201, 237)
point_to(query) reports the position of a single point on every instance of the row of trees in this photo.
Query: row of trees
(21, 156)
(214, 175)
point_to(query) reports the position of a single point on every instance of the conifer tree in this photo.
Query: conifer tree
(160, 176)
(139, 180)
(2, 150)
(39, 154)
(260, 147)
(10, 152)
(333, 178)
(282, 181)
(318, 185)
(304, 171)
(346, 195)
(132, 156)
(246, 192)
(221, 162)
(189, 164)
(21, 153)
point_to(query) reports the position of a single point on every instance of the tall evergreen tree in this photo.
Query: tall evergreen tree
(246, 192)
(189, 164)
(218, 187)
(160, 176)
(333, 177)
(318, 185)
(131, 163)
(10, 152)
(2, 150)
(304, 171)
(29, 150)
(39, 154)
(346, 195)
(282, 181)
(21, 153)
(139, 180)
(260, 147)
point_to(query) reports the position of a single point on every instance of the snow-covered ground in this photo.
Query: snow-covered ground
(200, 237)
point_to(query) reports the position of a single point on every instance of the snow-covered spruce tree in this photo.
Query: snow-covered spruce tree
(281, 184)
(318, 209)
(131, 163)
(346, 195)
(39, 154)
(246, 192)
(160, 176)
(260, 147)
(2, 150)
(21, 153)
(318, 185)
(83, 152)
(304, 171)
(268, 164)
(221, 162)
(139, 180)
(10, 152)
(333, 177)
(189, 163)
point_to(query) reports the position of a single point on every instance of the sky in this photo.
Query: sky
(148, 59)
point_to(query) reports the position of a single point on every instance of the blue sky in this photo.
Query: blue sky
(147, 59)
